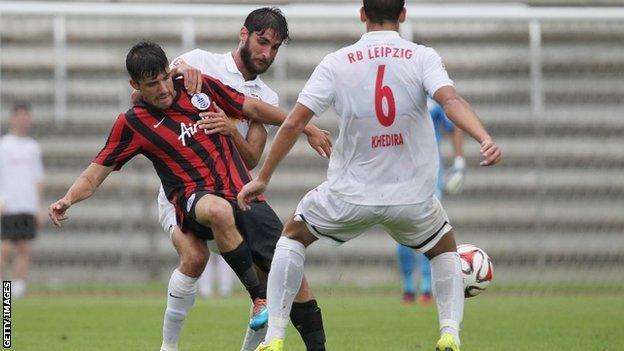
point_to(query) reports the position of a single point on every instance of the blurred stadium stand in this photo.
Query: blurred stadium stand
(552, 211)
(286, 2)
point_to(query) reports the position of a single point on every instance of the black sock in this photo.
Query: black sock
(241, 262)
(307, 318)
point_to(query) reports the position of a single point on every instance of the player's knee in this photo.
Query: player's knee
(446, 244)
(193, 262)
(297, 230)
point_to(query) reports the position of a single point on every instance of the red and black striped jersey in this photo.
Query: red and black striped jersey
(185, 158)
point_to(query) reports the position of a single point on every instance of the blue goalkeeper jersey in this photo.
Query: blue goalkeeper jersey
(441, 125)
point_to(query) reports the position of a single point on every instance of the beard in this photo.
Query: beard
(245, 54)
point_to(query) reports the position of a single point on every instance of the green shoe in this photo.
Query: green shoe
(447, 343)
(274, 345)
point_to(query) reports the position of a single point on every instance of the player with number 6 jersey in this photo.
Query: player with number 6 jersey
(383, 168)
(387, 142)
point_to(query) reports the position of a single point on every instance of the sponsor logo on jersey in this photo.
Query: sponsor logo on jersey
(187, 131)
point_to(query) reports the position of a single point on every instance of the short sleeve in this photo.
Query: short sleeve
(227, 98)
(434, 75)
(318, 93)
(121, 146)
(272, 98)
(193, 58)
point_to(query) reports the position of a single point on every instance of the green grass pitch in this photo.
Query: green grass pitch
(360, 321)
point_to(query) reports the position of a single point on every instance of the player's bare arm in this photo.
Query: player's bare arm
(251, 148)
(268, 114)
(40, 217)
(318, 138)
(457, 139)
(284, 140)
(460, 112)
(83, 187)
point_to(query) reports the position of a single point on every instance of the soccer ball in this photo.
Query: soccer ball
(477, 270)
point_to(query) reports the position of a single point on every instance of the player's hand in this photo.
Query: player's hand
(319, 140)
(56, 211)
(249, 192)
(491, 153)
(216, 122)
(192, 77)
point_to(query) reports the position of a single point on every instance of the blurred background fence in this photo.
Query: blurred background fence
(547, 81)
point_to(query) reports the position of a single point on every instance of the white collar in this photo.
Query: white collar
(230, 64)
(381, 33)
(231, 67)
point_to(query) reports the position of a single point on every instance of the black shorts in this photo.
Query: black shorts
(260, 227)
(18, 227)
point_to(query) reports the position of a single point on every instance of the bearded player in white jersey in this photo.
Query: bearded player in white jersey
(262, 34)
(383, 168)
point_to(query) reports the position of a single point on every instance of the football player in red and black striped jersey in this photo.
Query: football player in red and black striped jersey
(200, 171)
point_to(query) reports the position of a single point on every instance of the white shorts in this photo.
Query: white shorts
(419, 226)
(167, 219)
(166, 212)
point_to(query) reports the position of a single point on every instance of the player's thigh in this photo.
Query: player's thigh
(330, 219)
(214, 211)
(418, 226)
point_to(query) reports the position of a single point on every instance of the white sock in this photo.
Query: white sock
(18, 288)
(284, 282)
(253, 338)
(448, 291)
(180, 298)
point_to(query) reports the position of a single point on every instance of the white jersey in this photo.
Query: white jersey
(21, 170)
(222, 67)
(386, 152)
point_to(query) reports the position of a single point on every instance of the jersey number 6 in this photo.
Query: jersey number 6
(381, 92)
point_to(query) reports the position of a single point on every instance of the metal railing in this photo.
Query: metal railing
(190, 12)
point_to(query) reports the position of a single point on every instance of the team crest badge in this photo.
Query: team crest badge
(201, 101)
